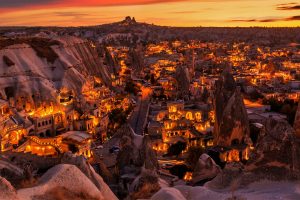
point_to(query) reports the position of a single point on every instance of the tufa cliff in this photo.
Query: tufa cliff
(43, 65)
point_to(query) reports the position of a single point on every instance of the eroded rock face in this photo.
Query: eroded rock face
(278, 151)
(205, 169)
(73, 60)
(297, 122)
(275, 157)
(231, 125)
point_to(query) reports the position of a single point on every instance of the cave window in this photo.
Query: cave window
(235, 142)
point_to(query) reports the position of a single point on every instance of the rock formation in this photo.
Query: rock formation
(144, 185)
(231, 125)
(205, 170)
(168, 193)
(41, 65)
(70, 182)
(135, 150)
(183, 81)
(275, 157)
(137, 58)
(277, 153)
(134, 157)
(297, 121)
(10, 171)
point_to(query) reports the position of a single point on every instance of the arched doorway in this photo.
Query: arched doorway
(48, 133)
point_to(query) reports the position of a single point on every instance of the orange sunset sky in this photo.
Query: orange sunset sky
(160, 12)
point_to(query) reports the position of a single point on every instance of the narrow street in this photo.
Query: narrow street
(138, 119)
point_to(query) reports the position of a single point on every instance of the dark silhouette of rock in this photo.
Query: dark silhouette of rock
(7, 191)
(297, 122)
(277, 152)
(137, 58)
(183, 81)
(205, 169)
(11, 172)
(144, 185)
(135, 150)
(231, 125)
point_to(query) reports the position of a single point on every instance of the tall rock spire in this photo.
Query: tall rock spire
(231, 125)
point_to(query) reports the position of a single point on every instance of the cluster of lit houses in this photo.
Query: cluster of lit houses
(49, 128)
(38, 126)
(177, 122)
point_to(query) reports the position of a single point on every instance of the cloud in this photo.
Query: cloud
(292, 18)
(70, 14)
(42, 3)
(288, 6)
(21, 3)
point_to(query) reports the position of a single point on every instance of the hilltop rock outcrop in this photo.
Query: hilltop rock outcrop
(231, 125)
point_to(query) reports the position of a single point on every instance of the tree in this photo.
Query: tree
(130, 87)
(176, 149)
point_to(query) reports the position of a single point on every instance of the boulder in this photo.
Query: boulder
(144, 185)
(70, 182)
(168, 193)
(205, 169)
(81, 163)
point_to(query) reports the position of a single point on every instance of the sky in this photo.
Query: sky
(220, 13)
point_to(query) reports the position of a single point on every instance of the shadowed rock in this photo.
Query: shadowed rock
(206, 169)
(297, 122)
(7, 191)
(232, 125)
